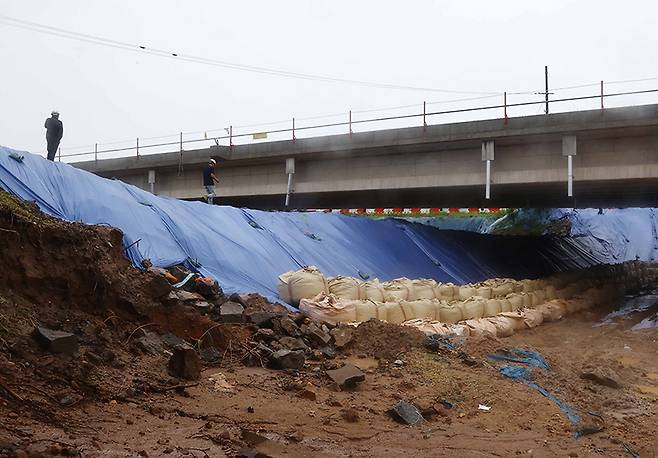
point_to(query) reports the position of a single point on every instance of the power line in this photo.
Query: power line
(92, 39)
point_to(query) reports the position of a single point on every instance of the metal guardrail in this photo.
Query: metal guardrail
(293, 130)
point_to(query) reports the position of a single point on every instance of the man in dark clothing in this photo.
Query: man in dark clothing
(209, 180)
(54, 133)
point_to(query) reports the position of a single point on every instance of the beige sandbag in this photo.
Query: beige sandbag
(429, 327)
(538, 297)
(532, 317)
(528, 286)
(397, 313)
(397, 290)
(576, 304)
(423, 288)
(504, 326)
(549, 292)
(305, 283)
(564, 293)
(527, 299)
(444, 291)
(516, 318)
(553, 310)
(484, 292)
(466, 291)
(346, 287)
(502, 289)
(472, 308)
(480, 327)
(327, 308)
(423, 308)
(366, 310)
(460, 330)
(505, 305)
(374, 290)
(492, 307)
(448, 313)
(516, 300)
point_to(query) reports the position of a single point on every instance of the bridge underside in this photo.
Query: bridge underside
(595, 194)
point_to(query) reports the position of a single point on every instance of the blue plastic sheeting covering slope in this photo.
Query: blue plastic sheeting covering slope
(245, 250)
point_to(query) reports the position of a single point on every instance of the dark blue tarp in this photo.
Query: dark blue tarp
(245, 250)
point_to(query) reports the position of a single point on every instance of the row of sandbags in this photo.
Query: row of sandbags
(328, 308)
(308, 282)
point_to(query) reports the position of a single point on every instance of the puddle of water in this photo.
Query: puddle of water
(363, 363)
(631, 305)
(648, 389)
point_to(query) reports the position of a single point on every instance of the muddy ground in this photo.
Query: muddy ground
(115, 397)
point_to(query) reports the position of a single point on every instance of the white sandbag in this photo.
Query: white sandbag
(516, 300)
(448, 313)
(480, 327)
(445, 291)
(423, 288)
(366, 310)
(374, 291)
(397, 313)
(327, 308)
(429, 327)
(516, 318)
(305, 283)
(484, 292)
(472, 308)
(505, 305)
(346, 287)
(504, 326)
(466, 291)
(532, 317)
(397, 290)
(420, 309)
(492, 307)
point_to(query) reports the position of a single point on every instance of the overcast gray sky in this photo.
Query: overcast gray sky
(106, 94)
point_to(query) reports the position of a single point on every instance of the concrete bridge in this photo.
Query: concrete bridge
(613, 152)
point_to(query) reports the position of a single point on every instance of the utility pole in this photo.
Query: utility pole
(546, 85)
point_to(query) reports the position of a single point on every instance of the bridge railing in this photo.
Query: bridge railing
(229, 138)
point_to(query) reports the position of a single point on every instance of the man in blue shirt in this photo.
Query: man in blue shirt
(209, 180)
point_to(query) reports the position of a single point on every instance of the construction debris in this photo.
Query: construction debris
(347, 376)
(407, 413)
(56, 341)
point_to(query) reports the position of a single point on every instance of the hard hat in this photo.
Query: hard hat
(212, 161)
(54, 113)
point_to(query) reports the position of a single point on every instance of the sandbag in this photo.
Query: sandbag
(553, 310)
(484, 292)
(397, 313)
(532, 317)
(516, 318)
(527, 299)
(480, 327)
(504, 326)
(305, 283)
(327, 308)
(365, 310)
(502, 289)
(445, 291)
(466, 291)
(420, 309)
(374, 291)
(422, 288)
(346, 287)
(397, 290)
(505, 305)
(448, 313)
(516, 300)
(549, 292)
(429, 327)
(472, 308)
(492, 307)
(538, 297)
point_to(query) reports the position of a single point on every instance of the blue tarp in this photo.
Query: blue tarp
(245, 250)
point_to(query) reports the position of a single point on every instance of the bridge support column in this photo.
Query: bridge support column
(290, 170)
(151, 181)
(488, 156)
(569, 146)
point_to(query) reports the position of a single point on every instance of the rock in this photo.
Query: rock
(342, 336)
(157, 286)
(185, 296)
(398, 362)
(297, 436)
(185, 363)
(407, 413)
(347, 376)
(317, 335)
(264, 335)
(231, 312)
(328, 352)
(251, 437)
(210, 355)
(207, 287)
(171, 340)
(203, 306)
(288, 326)
(242, 299)
(56, 341)
(350, 415)
(287, 359)
(260, 318)
(250, 453)
(600, 378)
(150, 343)
(308, 393)
(94, 358)
(293, 343)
